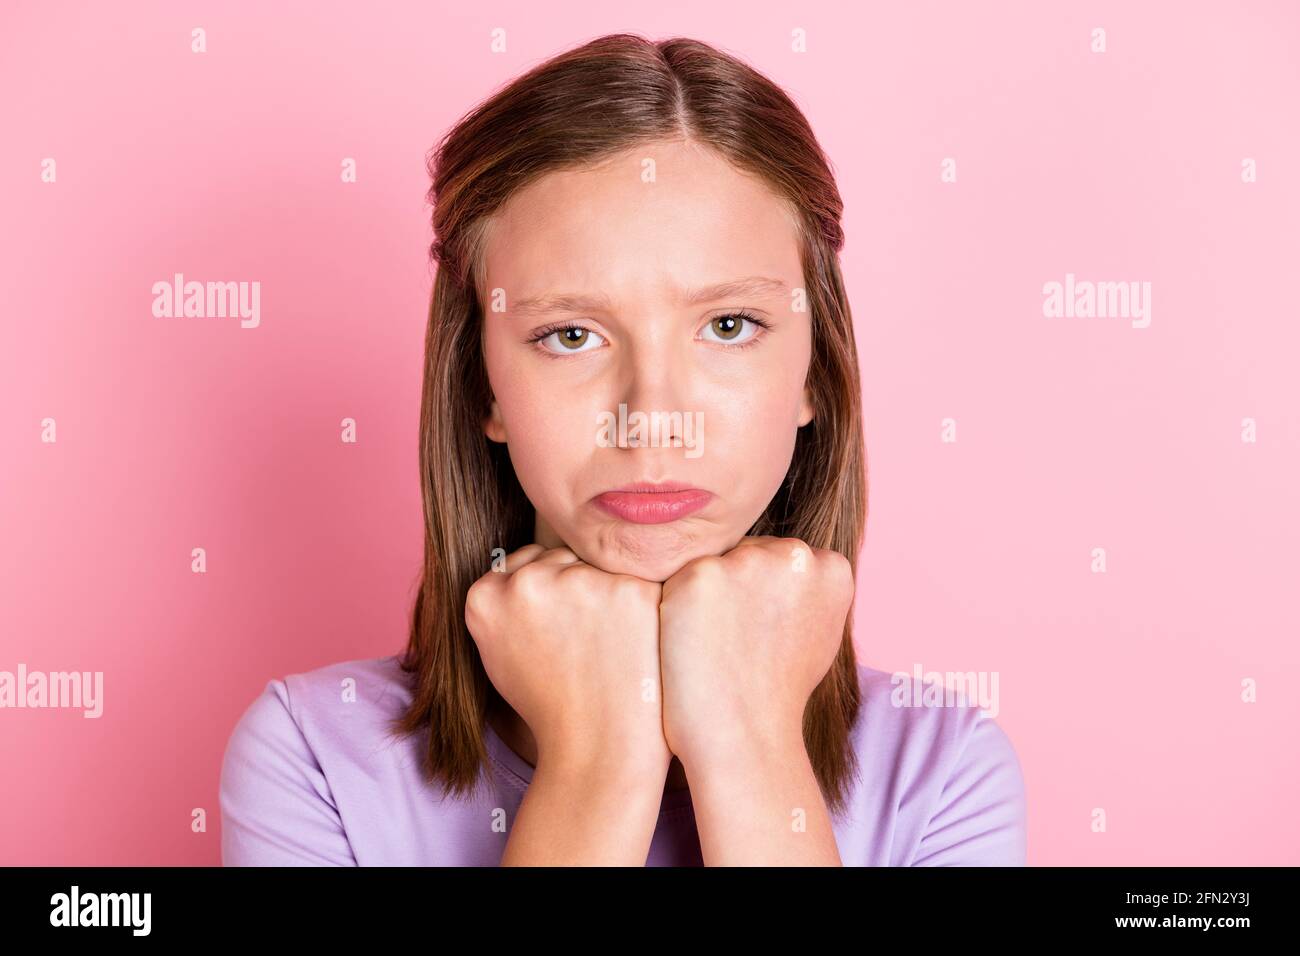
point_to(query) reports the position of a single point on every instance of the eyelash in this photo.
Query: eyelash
(738, 314)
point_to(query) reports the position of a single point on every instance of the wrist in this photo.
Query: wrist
(620, 766)
(738, 747)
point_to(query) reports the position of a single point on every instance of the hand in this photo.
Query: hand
(744, 640)
(575, 651)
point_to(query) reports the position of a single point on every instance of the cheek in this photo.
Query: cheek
(749, 437)
(550, 440)
(764, 442)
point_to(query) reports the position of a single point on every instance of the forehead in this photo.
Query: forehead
(656, 217)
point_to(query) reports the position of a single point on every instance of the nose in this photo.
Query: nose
(655, 383)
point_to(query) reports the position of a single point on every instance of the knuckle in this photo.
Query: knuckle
(795, 549)
(705, 568)
(476, 604)
(637, 590)
(694, 573)
(577, 571)
(528, 580)
(478, 590)
(582, 584)
(840, 572)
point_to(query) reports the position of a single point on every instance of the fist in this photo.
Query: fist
(575, 651)
(744, 640)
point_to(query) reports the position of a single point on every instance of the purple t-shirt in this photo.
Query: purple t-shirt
(311, 777)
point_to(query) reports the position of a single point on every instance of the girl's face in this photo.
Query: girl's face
(671, 287)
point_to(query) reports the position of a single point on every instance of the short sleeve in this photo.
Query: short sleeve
(276, 805)
(980, 816)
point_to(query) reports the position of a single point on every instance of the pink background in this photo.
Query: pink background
(1120, 690)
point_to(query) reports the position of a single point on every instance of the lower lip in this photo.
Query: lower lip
(653, 507)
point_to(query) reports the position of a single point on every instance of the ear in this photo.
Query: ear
(806, 408)
(493, 426)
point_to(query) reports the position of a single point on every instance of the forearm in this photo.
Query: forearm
(585, 815)
(759, 805)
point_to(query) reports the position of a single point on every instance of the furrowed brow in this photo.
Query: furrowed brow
(750, 286)
(565, 302)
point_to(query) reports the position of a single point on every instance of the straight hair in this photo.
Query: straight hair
(574, 110)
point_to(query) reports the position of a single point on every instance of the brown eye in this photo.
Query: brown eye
(727, 327)
(733, 328)
(573, 339)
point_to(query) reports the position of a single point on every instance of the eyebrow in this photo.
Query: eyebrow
(751, 286)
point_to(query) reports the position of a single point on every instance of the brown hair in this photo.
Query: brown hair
(573, 110)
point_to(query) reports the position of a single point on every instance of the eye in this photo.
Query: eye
(565, 339)
(733, 328)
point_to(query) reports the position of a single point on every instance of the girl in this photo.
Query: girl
(644, 495)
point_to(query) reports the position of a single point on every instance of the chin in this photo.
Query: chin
(653, 552)
(658, 571)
